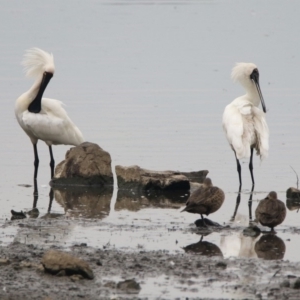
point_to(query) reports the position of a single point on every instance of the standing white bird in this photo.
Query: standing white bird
(42, 118)
(244, 123)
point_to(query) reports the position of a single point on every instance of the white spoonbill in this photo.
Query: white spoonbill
(42, 118)
(244, 123)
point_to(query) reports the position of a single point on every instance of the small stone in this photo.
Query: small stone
(129, 284)
(221, 265)
(61, 263)
(99, 263)
(4, 261)
(285, 283)
(297, 284)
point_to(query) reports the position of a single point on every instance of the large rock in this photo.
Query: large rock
(84, 165)
(61, 263)
(139, 179)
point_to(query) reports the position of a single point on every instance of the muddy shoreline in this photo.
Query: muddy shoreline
(155, 274)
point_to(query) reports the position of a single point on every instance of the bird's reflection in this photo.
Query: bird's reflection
(237, 204)
(126, 199)
(270, 247)
(83, 202)
(204, 248)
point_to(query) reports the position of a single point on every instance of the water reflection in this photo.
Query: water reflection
(237, 204)
(204, 248)
(126, 199)
(85, 202)
(270, 247)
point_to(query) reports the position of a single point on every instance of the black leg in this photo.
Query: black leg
(239, 169)
(35, 194)
(251, 167)
(36, 161)
(52, 162)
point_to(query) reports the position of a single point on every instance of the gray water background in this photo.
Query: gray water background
(148, 81)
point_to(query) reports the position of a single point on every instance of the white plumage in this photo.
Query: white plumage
(244, 123)
(42, 118)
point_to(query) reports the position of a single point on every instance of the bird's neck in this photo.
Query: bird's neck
(252, 94)
(36, 93)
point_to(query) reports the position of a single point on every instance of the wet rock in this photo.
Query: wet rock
(129, 285)
(84, 165)
(208, 222)
(221, 265)
(61, 263)
(4, 261)
(297, 284)
(252, 231)
(138, 179)
(34, 213)
(285, 283)
(15, 215)
(293, 198)
(293, 193)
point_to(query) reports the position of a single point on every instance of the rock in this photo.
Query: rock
(297, 284)
(208, 222)
(4, 261)
(57, 262)
(33, 213)
(138, 179)
(129, 285)
(16, 215)
(252, 231)
(293, 198)
(285, 283)
(84, 165)
(293, 193)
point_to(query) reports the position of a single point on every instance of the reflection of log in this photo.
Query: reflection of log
(204, 248)
(126, 199)
(270, 247)
(88, 203)
(134, 201)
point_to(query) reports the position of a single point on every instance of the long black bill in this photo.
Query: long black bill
(255, 77)
(36, 105)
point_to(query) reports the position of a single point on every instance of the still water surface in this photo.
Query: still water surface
(148, 81)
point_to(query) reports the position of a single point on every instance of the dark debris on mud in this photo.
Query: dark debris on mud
(22, 276)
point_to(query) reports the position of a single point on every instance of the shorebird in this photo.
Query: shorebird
(270, 211)
(244, 123)
(205, 200)
(42, 118)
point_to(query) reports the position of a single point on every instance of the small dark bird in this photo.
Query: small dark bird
(205, 200)
(270, 211)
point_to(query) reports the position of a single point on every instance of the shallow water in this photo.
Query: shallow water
(148, 81)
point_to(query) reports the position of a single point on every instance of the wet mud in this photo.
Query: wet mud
(198, 272)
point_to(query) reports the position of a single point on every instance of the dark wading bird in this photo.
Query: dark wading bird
(270, 211)
(42, 118)
(205, 200)
(244, 123)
